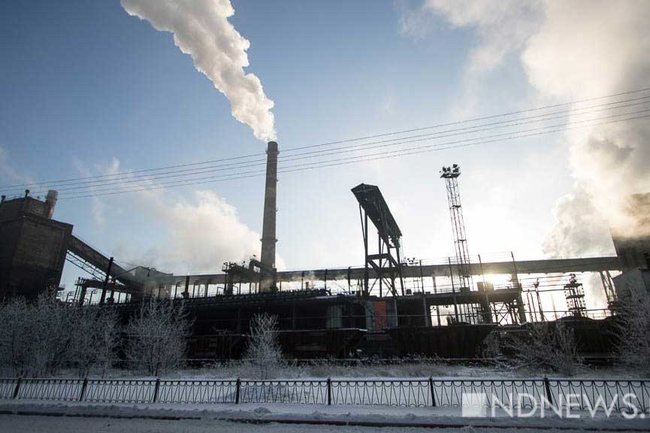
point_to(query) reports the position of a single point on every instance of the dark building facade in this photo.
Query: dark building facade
(33, 247)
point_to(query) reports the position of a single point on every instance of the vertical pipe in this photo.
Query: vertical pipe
(380, 266)
(112, 297)
(105, 285)
(520, 303)
(399, 268)
(435, 290)
(453, 290)
(366, 271)
(427, 311)
(349, 282)
(488, 316)
(82, 295)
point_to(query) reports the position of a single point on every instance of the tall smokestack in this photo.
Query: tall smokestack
(270, 194)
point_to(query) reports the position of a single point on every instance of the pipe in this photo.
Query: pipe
(50, 203)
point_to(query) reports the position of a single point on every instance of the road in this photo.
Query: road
(66, 424)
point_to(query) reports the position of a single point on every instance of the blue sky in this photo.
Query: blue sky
(84, 85)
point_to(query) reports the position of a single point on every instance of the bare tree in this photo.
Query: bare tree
(263, 350)
(15, 336)
(633, 332)
(36, 338)
(157, 336)
(40, 338)
(54, 336)
(545, 347)
(95, 338)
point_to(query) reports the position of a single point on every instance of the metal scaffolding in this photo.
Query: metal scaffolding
(450, 175)
(386, 266)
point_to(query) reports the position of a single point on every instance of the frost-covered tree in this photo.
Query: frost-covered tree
(95, 339)
(40, 338)
(633, 332)
(53, 337)
(15, 336)
(546, 346)
(263, 350)
(35, 339)
(157, 336)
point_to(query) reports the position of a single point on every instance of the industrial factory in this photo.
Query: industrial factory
(392, 306)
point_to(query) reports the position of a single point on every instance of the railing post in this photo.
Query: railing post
(238, 387)
(17, 388)
(83, 389)
(433, 394)
(547, 387)
(329, 391)
(156, 389)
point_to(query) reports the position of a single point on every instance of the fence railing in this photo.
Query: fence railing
(426, 392)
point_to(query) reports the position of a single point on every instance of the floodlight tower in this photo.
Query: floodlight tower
(450, 175)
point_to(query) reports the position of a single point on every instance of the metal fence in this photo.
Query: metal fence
(425, 392)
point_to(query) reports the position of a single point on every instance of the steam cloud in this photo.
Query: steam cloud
(199, 232)
(202, 30)
(202, 234)
(572, 50)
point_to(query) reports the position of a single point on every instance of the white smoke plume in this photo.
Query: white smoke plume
(202, 30)
(572, 50)
(487, 18)
(199, 232)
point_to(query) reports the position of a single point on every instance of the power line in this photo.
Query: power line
(319, 153)
(373, 157)
(360, 158)
(475, 119)
(193, 173)
(357, 139)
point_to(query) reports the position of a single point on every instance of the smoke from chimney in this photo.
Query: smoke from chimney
(574, 50)
(603, 52)
(202, 30)
(50, 202)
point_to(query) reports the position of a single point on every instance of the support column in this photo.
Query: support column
(105, 285)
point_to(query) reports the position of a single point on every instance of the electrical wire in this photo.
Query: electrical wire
(308, 155)
(365, 158)
(191, 175)
(121, 182)
(245, 161)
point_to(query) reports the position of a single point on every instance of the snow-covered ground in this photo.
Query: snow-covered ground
(320, 370)
(324, 369)
(79, 417)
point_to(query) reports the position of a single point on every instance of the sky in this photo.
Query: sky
(94, 89)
